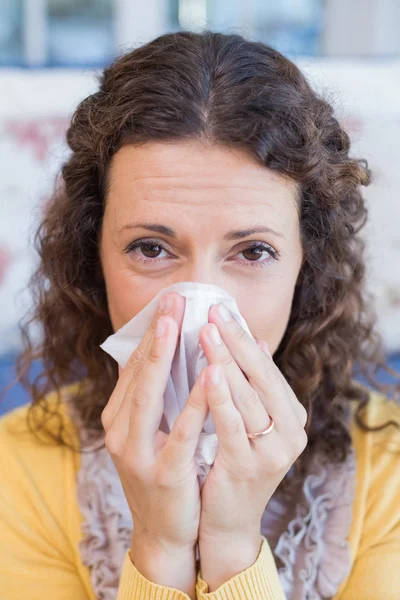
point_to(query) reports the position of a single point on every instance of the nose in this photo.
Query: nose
(206, 269)
(219, 282)
(201, 272)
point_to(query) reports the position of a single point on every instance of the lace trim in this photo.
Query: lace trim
(313, 548)
(309, 538)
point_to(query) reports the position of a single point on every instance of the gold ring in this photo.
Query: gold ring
(254, 436)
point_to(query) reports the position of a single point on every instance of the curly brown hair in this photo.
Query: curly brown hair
(225, 90)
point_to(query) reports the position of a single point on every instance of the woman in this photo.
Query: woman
(207, 158)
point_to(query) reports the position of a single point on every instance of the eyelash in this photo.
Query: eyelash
(247, 263)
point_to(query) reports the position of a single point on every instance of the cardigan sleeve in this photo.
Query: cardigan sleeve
(260, 580)
(133, 584)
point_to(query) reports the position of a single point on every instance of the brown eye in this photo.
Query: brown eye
(150, 250)
(147, 252)
(253, 253)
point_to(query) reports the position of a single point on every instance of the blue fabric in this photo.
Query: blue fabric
(16, 396)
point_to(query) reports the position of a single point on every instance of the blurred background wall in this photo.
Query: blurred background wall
(51, 50)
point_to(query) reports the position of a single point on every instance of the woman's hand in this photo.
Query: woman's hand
(157, 470)
(246, 472)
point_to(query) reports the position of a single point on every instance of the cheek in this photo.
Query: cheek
(268, 318)
(127, 293)
(269, 321)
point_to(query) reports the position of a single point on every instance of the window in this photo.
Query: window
(11, 39)
(56, 32)
(292, 26)
(80, 31)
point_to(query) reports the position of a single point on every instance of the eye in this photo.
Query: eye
(147, 247)
(151, 250)
(255, 251)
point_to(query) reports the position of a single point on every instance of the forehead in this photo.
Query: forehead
(199, 176)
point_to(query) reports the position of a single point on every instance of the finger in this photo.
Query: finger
(260, 370)
(128, 375)
(183, 439)
(245, 397)
(176, 310)
(263, 345)
(140, 413)
(124, 378)
(298, 407)
(146, 399)
(234, 444)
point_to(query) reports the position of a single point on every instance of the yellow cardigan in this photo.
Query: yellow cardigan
(40, 523)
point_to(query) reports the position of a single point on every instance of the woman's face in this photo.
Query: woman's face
(202, 199)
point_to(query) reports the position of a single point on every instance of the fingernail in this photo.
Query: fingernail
(214, 335)
(161, 327)
(264, 346)
(224, 313)
(216, 375)
(166, 304)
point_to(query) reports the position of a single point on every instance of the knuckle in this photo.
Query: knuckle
(180, 433)
(251, 399)
(195, 401)
(241, 334)
(131, 462)
(301, 442)
(154, 355)
(234, 426)
(141, 398)
(113, 444)
(135, 358)
(303, 415)
(226, 360)
(136, 466)
(269, 370)
(278, 463)
(105, 417)
(253, 474)
(220, 398)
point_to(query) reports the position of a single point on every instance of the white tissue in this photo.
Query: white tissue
(189, 358)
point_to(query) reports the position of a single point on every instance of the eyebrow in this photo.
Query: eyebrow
(231, 235)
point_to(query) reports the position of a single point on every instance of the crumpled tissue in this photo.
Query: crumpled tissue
(188, 361)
